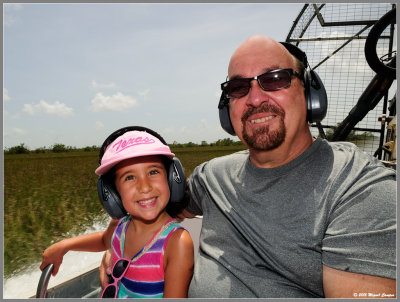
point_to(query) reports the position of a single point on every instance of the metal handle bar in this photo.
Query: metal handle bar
(44, 281)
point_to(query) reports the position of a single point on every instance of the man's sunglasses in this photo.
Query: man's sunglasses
(118, 272)
(269, 81)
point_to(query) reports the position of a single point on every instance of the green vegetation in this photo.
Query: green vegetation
(44, 198)
(21, 149)
(352, 137)
(58, 148)
(50, 195)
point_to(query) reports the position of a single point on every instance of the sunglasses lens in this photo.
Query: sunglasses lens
(119, 268)
(109, 291)
(269, 81)
(237, 88)
(274, 80)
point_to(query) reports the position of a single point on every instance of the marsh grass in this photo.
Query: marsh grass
(48, 197)
(45, 197)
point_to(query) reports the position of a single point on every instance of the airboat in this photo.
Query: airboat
(352, 48)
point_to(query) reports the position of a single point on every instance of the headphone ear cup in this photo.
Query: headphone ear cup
(176, 180)
(316, 98)
(314, 90)
(110, 199)
(224, 117)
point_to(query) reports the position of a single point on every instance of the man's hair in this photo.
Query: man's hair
(300, 68)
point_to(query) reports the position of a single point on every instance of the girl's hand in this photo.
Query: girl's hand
(53, 255)
(93, 242)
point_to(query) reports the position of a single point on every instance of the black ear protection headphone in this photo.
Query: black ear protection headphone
(109, 196)
(314, 91)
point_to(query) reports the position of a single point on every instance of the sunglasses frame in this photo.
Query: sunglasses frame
(116, 280)
(290, 71)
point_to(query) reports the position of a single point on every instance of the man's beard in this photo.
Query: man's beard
(263, 138)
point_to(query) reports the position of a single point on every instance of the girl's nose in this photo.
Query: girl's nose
(144, 185)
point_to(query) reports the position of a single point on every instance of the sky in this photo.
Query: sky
(74, 73)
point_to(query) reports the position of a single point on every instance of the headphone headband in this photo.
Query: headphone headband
(297, 52)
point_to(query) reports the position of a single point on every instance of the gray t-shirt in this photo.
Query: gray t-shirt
(267, 232)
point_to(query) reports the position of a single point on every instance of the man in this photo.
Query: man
(292, 216)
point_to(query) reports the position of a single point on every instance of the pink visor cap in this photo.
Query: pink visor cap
(132, 144)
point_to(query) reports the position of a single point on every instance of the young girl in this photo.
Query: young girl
(152, 254)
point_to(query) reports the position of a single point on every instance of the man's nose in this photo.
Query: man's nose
(256, 95)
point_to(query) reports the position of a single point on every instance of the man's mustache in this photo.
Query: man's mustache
(267, 108)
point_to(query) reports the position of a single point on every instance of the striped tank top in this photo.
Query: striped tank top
(145, 276)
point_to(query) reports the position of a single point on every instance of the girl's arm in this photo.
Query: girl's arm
(178, 264)
(94, 242)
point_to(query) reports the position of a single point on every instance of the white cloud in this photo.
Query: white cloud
(144, 93)
(29, 109)
(96, 85)
(116, 102)
(18, 131)
(15, 116)
(57, 108)
(204, 124)
(13, 6)
(6, 97)
(99, 125)
(9, 8)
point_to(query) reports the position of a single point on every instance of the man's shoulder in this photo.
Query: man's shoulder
(346, 154)
(239, 156)
(351, 150)
(343, 146)
(242, 154)
(338, 146)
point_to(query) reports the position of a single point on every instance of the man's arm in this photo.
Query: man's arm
(187, 214)
(105, 269)
(106, 262)
(184, 214)
(341, 284)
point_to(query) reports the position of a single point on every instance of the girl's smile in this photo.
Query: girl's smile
(149, 203)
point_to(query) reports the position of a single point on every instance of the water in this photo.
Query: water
(24, 285)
